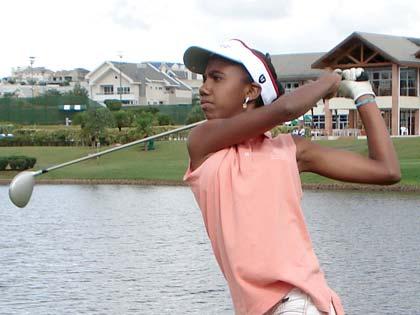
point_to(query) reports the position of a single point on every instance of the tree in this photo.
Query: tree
(164, 120)
(195, 115)
(113, 105)
(196, 100)
(95, 124)
(151, 109)
(80, 119)
(122, 119)
(144, 123)
(79, 90)
(52, 92)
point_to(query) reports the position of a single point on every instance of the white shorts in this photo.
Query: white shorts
(297, 302)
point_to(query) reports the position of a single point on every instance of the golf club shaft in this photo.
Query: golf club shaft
(91, 156)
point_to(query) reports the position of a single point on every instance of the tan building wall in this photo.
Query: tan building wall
(112, 77)
(156, 93)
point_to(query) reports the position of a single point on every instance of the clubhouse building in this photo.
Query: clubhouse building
(393, 66)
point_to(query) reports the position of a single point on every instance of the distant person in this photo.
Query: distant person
(301, 132)
(247, 183)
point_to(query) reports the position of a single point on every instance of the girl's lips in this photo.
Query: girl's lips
(205, 105)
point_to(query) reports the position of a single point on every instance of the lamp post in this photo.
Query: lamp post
(31, 61)
(120, 55)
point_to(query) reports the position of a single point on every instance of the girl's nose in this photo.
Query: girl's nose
(204, 89)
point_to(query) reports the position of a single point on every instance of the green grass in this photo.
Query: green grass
(169, 160)
(408, 151)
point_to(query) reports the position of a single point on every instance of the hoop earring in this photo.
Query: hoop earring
(245, 104)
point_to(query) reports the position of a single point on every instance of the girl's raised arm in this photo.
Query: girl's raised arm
(219, 133)
(380, 167)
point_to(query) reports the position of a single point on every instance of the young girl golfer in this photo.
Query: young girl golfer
(247, 184)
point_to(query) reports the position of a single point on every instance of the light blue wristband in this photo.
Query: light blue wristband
(365, 101)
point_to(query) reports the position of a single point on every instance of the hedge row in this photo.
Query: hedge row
(75, 137)
(72, 137)
(16, 162)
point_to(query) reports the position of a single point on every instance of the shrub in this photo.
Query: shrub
(164, 120)
(113, 105)
(18, 163)
(195, 115)
(3, 163)
(31, 162)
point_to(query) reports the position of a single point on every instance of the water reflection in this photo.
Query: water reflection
(144, 250)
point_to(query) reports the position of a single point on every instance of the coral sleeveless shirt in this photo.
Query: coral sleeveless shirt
(250, 198)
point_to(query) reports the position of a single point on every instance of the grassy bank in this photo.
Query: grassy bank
(169, 160)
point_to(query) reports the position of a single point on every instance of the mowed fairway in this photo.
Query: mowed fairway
(408, 151)
(169, 160)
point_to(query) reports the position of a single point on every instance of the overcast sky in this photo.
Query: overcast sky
(84, 33)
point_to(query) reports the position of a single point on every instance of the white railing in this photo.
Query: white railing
(100, 97)
(350, 132)
(336, 133)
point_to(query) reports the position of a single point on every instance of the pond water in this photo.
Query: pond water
(143, 250)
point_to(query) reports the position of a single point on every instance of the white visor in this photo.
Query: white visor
(196, 59)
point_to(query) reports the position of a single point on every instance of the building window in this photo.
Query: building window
(108, 89)
(408, 82)
(340, 121)
(290, 86)
(407, 122)
(123, 90)
(381, 80)
(318, 121)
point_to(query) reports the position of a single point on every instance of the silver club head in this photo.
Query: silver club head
(21, 187)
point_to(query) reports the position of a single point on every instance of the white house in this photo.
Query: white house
(136, 84)
(181, 73)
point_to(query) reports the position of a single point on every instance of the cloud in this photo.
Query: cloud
(245, 9)
(376, 17)
(129, 14)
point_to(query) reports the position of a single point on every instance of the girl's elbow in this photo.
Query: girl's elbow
(287, 110)
(393, 176)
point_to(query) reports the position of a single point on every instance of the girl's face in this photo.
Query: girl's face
(224, 89)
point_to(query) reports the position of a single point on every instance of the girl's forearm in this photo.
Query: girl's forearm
(379, 142)
(301, 100)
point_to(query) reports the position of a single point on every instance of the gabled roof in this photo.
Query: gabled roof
(142, 72)
(397, 49)
(296, 66)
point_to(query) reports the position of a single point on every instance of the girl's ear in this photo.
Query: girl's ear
(254, 91)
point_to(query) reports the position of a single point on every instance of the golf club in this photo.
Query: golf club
(22, 185)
